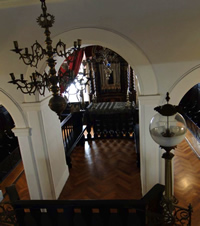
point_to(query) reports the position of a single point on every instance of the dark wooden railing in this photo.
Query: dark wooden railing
(146, 211)
(100, 124)
(72, 132)
(81, 212)
(108, 122)
(87, 212)
(110, 126)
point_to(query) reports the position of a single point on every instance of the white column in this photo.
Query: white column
(55, 148)
(151, 163)
(43, 152)
(26, 148)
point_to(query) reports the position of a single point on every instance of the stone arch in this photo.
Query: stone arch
(13, 108)
(187, 81)
(120, 44)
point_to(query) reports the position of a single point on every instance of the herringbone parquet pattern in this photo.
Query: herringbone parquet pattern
(187, 179)
(104, 169)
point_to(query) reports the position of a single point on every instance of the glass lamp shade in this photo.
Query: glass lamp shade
(168, 131)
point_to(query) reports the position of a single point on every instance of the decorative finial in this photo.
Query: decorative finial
(167, 97)
(167, 109)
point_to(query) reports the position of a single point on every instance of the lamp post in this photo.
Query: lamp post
(168, 128)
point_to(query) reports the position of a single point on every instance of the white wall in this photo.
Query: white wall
(40, 139)
(47, 149)
(166, 36)
(184, 84)
(159, 40)
(151, 163)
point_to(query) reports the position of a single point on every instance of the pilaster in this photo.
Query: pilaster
(151, 163)
(43, 152)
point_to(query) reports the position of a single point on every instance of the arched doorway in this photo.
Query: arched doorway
(186, 166)
(120, 44)
(185, 83)
(9, 147)
(183, 89)
(14, 109)
(147, 81)
(12, 119)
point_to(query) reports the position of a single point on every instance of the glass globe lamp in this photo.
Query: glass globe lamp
(168, 130)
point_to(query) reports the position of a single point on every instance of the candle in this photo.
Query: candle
(79, 42)
(15, 44)
(34, 76)
(26, 51)
(12, 76)
(84, 72)
(22, 77)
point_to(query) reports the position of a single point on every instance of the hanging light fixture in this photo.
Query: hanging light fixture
(106, 64)
(51, 80)
(106, 56)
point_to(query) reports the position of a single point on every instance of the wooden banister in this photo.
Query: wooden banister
(86, 212)
(73, 133)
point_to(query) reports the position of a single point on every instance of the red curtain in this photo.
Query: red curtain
(73, 66)
(77, 62)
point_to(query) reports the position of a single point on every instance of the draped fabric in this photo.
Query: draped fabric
(73, 64)
(77, 62)
(89, 51)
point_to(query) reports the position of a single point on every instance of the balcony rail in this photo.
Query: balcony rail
(73, 133)
(145, 211)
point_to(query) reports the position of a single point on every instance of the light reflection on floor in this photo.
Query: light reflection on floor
(193, 142)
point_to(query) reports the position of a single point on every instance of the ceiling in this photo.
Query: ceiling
(166, 32)
(18, 3)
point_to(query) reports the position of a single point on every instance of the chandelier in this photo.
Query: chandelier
(106, 57)
(107, 69)
(40, 82)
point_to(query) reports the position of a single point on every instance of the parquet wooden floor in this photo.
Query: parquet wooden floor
(18, 178)
(106, 169)
(187, 179)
